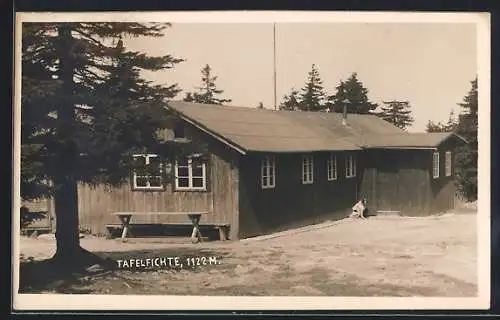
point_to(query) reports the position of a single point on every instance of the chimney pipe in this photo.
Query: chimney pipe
(344, 115)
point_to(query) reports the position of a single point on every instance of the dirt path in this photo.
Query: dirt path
(431, 256)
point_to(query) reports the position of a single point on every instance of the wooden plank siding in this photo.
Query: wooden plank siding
(290, 203)
(220, 199)
(397, 180)
(44, 206)
(443, 189)
(401, 180)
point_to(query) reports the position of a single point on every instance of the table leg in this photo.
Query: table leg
(222, 234)
(125, 222)
(196, 234)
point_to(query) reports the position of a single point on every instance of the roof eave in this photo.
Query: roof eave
(450, 135)
(404, 147)
(303, 151)
(208, 131)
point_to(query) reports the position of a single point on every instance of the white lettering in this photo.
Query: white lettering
(163, 262)
(170, 261)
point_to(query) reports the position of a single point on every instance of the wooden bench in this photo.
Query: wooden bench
(221, 228)
(195, 217)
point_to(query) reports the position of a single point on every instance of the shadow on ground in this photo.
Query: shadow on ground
(46, 276)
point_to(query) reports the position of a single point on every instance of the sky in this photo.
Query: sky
(428, 64)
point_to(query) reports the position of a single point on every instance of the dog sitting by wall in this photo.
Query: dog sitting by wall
(359, 209)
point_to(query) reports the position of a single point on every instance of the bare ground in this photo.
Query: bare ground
(380, 256)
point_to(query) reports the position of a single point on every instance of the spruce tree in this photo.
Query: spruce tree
(435, 127)
(397, 112)
(207, 93)
(449, 126)
(467, 156)
(313, 96)
(291, 101)
(85, 110)
(189, 97)
(354, 93)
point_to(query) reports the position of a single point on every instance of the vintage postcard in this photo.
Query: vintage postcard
(251, 161)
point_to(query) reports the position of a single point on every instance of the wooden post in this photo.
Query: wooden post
(222, 234)
(196, 234)
(51, 214)
(125, 221)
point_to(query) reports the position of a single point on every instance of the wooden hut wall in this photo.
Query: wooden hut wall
(221, 198)
(397, 180)
(443, 189)
(291, 203)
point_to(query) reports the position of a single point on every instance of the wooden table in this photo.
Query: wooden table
(195, 217)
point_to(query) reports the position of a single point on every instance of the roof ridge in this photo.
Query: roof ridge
(253, 129)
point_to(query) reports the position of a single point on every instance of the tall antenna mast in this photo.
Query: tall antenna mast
(274, 64)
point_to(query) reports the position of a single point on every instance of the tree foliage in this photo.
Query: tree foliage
(313, 96)
(397, 112)
(354, 94)
(291, 101)
(85, 111)
(207, 93)
(467, 156)
(449, 126)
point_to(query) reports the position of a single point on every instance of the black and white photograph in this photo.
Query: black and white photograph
(212, 160)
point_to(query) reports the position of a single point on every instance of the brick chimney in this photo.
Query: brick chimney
(344, 113)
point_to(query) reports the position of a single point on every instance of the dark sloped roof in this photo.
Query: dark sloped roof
(409, 140)
(263, 130)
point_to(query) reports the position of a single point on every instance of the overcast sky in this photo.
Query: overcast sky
(428, 64)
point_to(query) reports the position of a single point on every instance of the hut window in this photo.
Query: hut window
(179, 131)
(435, 165)
(268, 173)
(190, 174)
(350, 166)
(331, 168)
(147, 174)
(447, 164)
(307, 170)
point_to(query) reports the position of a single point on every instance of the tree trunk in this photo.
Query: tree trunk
(65, 182)
(66, 207)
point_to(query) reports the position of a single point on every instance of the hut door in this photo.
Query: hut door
(387, 188)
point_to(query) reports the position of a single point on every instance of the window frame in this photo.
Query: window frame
(350, 166)
(190, 176)
(268, 171)
(148, 187)
(331, 168)
(179, 131)
(448, 164)
(307, 169)
(435, 167)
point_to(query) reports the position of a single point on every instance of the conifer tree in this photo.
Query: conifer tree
(312, 97)
(397, 112)
(290, 101)
(354, 93)
(449, 126)
(85, 110)
(467, 156)
(435, 127)
(207, 93)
